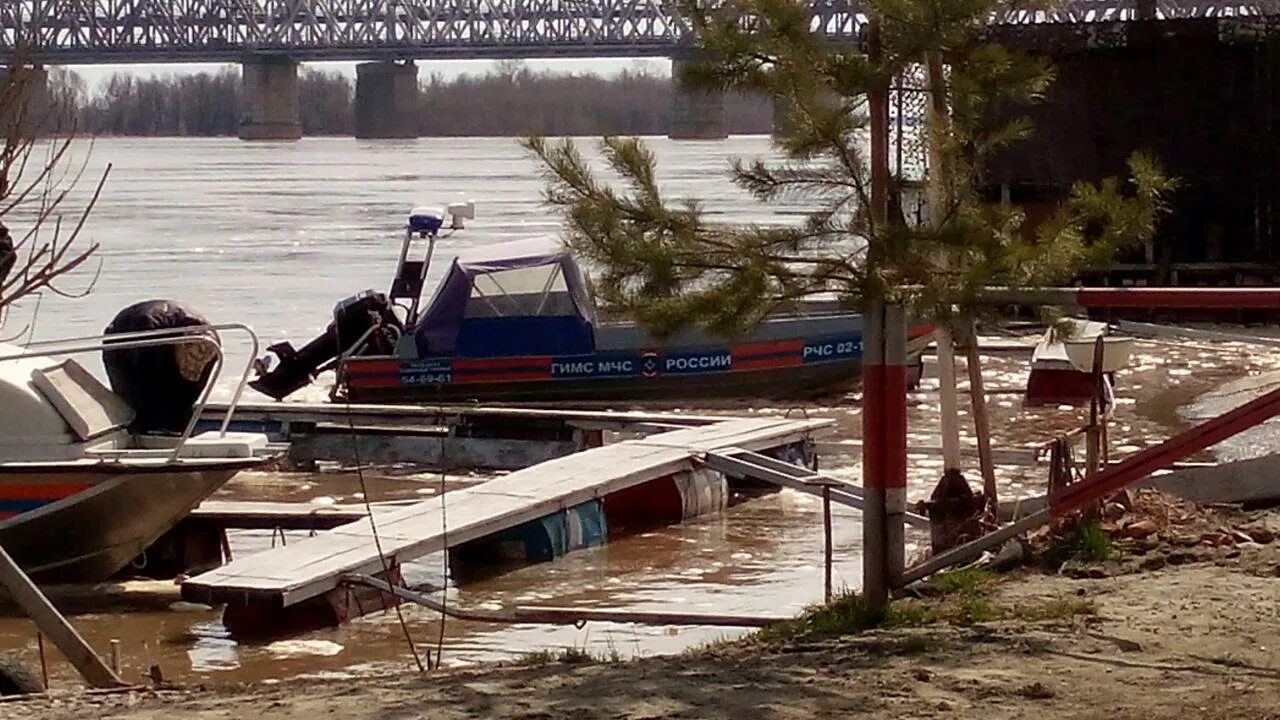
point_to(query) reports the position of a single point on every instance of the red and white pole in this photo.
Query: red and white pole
(875, 549)
(893, 438)
(884, 450)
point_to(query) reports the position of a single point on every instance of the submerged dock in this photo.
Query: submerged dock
(445, 436)
(311, 571)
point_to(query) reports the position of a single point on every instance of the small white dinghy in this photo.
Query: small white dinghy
(80, 494)
(1062, 369)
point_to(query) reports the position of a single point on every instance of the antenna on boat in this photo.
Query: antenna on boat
(424, 222)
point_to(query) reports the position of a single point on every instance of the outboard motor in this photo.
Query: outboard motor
(162, 384)
(367, 319)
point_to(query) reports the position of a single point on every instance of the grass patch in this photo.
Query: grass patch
(963, 597)
(536, 658)
(571, 655)
(718, 644)
(574, 656)
(1059, 609)
(961, 600)
(848, 613)
(1084, 542)
(963, 581)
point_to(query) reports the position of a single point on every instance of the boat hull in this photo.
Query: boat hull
(74, 526)
(788, 369)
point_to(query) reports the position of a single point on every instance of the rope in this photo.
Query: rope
(368, 508)
(444, 561)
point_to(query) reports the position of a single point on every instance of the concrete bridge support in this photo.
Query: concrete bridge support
(387, 100)
(695, 114)
(781, 112)
(270, 99)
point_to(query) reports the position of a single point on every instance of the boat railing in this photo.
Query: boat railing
(159, 338)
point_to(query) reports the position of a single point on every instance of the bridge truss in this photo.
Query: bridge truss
(139, 31)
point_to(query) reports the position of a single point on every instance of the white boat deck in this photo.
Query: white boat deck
(316, 565)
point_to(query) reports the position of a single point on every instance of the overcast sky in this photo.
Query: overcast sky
(95, 74)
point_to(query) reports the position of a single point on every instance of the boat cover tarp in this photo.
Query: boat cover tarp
(446, 329)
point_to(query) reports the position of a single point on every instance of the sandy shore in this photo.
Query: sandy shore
(1183, 624)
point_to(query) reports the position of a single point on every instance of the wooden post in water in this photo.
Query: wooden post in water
(51, 623)
(44, 665)
(826, 532)
(1093, 439)
(981, 420)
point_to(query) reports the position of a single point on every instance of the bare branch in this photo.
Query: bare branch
(36, 182)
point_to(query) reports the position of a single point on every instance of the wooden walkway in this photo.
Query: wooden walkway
(392, 415)
(316, 565)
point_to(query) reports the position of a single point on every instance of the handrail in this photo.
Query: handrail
(160, 338)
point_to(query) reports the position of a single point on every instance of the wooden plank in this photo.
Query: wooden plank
(366, 413)
(54, 625)
(315, 565)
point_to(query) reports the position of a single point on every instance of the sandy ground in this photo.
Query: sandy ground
(1183, 625)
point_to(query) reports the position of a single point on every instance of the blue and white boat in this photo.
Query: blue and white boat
(516, 321)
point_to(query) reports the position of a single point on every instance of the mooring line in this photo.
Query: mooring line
(368, 505)
(444, 561)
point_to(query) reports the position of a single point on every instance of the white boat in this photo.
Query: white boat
(81, 495)
(1054, 380)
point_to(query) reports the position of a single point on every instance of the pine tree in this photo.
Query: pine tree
(668, 265)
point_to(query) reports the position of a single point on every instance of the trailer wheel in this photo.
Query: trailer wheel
(17, 679)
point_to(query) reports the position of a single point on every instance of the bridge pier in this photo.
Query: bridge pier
(31, 83)
(269, 99)
(387, 100)
(696, 114)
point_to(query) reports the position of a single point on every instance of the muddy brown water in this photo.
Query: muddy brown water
(763, 556)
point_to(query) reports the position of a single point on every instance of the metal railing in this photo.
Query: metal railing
(160, 338)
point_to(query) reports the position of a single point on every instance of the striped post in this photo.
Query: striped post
(884, 450)
(893, 439)
(875, 564)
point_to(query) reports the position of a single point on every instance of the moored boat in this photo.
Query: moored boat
(81, 494)
(516, 321)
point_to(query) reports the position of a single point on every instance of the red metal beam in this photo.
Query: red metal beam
(1134, 297)
(1187, 298)
(1182, 445)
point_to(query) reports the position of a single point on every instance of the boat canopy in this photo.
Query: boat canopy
(522, 297)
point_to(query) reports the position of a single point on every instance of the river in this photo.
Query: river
(274, 235)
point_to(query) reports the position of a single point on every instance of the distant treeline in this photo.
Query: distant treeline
(508, 101)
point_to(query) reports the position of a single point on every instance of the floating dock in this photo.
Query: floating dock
(445, 436)
(308, 575)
